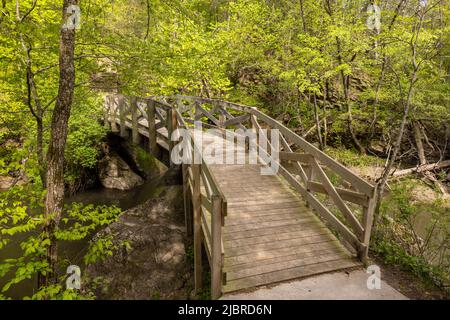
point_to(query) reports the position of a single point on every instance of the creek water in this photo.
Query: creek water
(73, 251)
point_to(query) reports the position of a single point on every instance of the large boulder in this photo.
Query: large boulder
(115, 173)
(146, 164)
(155, 265)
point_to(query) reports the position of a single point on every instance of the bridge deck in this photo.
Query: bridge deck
(256, 229)
(270, 235)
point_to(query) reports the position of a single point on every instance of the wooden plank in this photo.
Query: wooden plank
(206, 223)
(279, 236)
(297, 165)
(188, 218)
(232, 221)
(206, 203)
(348, 195)
(238, 273)
(151, 120)
(236, 120)
(270, 202)
(269, 198)
(310, 223)
(262, 255)
(265, 207)
(267, 224)
(367, 223)
(230, 252)
(216, 233)
(348, 214)
(333, 221)
(122, 116)
(196, 202)
(295, 156)
(207, 184)
(234, 214)
(134, 121)
(287, 274)
(209, 116)
(230, 116)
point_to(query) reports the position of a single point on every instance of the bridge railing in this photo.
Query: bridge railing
(156, 120)
(209, 211)
(342, 198)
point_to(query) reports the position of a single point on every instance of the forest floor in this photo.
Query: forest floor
(407, 283)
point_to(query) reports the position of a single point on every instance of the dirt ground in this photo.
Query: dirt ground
(409, 284)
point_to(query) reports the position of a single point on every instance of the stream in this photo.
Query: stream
(73, 251)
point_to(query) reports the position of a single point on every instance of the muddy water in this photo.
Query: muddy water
(74, 251)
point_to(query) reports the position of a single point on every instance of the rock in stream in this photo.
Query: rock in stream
(156, 266)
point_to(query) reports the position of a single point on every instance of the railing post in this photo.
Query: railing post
(172, 125)
(198, 113)
(107, 111)
(151, 119)
(222, 117)
(367, 222)
(122, 116)
(216, 247)
(134, 121)
(114, 109)
(196, 204)
(254, 128)
(187, 200)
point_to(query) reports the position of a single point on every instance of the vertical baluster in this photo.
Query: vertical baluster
(216, 247)
(172, 124)
(151, 116)
(196, 204)
(367, 222)
(113, 112)
(106, 113)
(122, 116)
(134, 121)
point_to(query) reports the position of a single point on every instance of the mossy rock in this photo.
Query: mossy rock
(147, 164)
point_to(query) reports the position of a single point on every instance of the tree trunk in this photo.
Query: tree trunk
(419, 143)
(316, 117)
(58, 136)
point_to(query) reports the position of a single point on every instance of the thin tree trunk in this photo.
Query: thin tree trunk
(316, 117)
(382, 181)
(382, 74)
(419, 143)
(58, 136)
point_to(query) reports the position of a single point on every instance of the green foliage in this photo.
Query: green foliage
(414, 232)
(350, 157)
(21, 220)
(85, 133)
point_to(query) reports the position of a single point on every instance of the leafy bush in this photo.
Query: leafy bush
(21, 219)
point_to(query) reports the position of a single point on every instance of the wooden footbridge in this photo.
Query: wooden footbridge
(313, 216)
